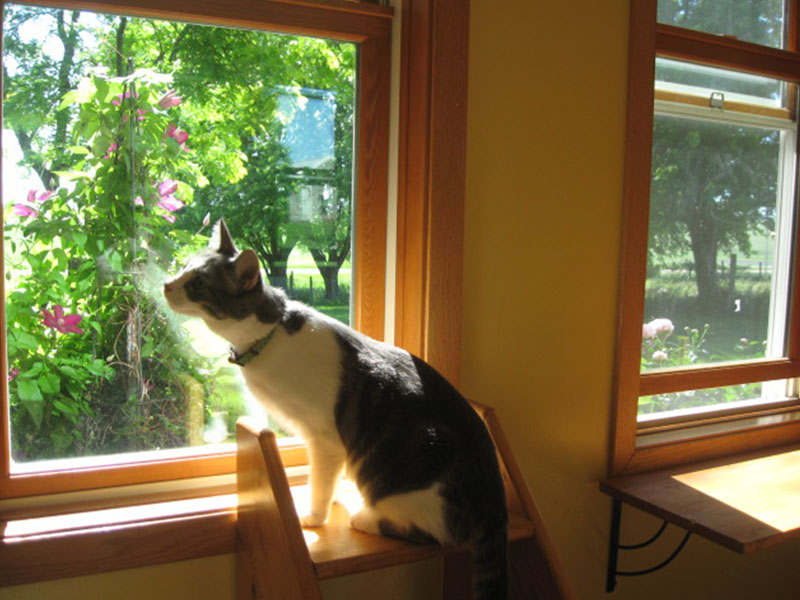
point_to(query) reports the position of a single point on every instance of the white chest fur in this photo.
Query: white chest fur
(297, 378)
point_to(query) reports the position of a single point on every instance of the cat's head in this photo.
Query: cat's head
(220, 282)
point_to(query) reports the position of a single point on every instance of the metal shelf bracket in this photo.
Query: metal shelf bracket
(614, 547)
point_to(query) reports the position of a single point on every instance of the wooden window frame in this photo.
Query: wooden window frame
(368, 25)
(649, 39)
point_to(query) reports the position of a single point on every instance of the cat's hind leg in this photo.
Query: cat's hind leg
(416, 516)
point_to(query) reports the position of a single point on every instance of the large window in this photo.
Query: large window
(708, 344)
(124, 139)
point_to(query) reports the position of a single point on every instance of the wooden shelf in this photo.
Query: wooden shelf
(744, 503)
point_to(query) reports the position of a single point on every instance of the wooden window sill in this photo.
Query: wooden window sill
(745, 502)
(80, 543)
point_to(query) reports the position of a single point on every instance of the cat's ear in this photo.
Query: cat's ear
(221, 239)
(248, 272)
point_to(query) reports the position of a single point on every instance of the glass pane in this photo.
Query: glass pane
(757, 21)
(700, 80)
(720, 236)
(123, 140)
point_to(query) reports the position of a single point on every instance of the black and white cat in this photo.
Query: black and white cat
(419, 454)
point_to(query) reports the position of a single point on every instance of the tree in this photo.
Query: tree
(34, 83)
(712, 186)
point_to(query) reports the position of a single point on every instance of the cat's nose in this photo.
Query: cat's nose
(167, 287)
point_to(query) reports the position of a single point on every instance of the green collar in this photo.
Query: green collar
(246, 357)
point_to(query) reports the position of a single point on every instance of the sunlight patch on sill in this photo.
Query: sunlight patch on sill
(22, 529)
(761, 488)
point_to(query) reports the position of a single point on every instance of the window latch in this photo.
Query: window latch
(717, 100)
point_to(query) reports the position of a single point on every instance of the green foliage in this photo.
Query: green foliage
(114, 152)
(86, 249)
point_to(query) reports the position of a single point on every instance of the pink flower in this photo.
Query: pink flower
(656, 326)
(23, 210)
(142, 114)
(12, 374)
(169, 99)
(61, 322)
(138, 201)
(111, 149)
(118, 100)
(167, 201)
(178, 135)
(41, 198)
(170, 203)
(167, 187)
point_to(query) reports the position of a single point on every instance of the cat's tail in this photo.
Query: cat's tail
(491, 562)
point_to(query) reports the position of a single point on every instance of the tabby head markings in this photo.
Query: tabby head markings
(219, 283)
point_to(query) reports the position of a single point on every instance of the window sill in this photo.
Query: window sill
(67, 545)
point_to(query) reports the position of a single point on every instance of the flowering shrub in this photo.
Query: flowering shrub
(662, 347)
(87, 343)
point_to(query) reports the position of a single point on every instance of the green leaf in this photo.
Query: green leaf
(101, 85)
(70, 98)
(49, 383)
(78, 149)
(29, 391)
(32, 400)
(71, 372)
(79, 238)
(32, 371)
(97, 367)
(26, 340)
(147, 349)
(65, 408)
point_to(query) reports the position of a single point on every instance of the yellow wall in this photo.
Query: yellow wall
(544, 177)
(544, 184)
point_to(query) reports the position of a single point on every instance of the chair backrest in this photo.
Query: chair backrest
(268, 523)
(536, 570)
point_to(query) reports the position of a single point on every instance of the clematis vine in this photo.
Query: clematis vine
(61, 322)
(12, 374)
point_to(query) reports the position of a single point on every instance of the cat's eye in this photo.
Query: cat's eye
(197, 284)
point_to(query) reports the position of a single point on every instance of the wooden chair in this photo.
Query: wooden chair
(278, 560)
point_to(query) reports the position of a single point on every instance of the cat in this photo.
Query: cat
(418, 453)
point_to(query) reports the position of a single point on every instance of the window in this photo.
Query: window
(67, 255)
(708, 346)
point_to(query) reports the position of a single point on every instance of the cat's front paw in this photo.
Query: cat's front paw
(312, 520)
